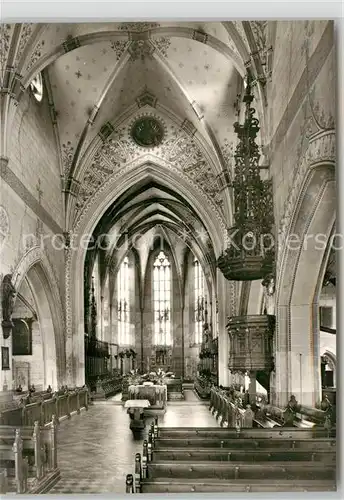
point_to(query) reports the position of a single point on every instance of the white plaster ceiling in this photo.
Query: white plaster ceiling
(194, 80)
(96, 74)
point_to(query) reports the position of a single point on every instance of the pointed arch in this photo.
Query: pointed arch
(36, 267)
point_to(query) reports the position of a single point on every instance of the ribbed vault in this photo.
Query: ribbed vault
(146, 214)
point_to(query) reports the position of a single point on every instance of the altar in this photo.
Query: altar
(155, 394)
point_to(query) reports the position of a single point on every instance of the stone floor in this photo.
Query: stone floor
(96, 449)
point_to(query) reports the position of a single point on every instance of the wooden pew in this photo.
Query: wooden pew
(177, 485)
(241, 470)
(11, 458)
(228, 408)
(207, 432)
(3, 481)
(258, 456)
(174, 477)
(61, 405)
(314, 444)
(33, 448)
(39, 449)
(269, 417)
(176, 460)
(251, 438)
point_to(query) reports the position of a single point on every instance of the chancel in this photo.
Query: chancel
(168, 257)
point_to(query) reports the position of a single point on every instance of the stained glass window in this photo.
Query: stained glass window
(162, 300)
(123, 303)
(200, 299)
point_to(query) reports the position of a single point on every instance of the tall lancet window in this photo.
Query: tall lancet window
(162, 300)
(200, 301)
(123, 303)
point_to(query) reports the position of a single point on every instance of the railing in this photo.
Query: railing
(61, 405)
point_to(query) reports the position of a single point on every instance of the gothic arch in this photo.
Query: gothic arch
(297, 336)
(85, 225)
(104, 160)
(36, 267)
(165, 174)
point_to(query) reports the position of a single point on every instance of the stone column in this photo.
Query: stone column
(281, 357)
(252, 388)
(223, 295)
(101, 319)
(304, 372)
(297, 357)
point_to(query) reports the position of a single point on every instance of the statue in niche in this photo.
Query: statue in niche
(269, 294)
(8, 293)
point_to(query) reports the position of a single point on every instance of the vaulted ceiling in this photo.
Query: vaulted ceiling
(101, 77)
(145, 215)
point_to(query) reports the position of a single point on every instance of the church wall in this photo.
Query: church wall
(290, 62)
(328, 341)
(23, 227)
(310, 111)
(31, 193)
(22, 222)
(328, 299)
(290, 151)
(33, 154)
(35, 361)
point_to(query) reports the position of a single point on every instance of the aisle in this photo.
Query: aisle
(96, 449)
(191, 396)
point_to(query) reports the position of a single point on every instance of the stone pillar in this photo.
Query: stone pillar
(252, 388)
(101, 319)
(304, 372)
(297, 356)
(224, 311)
(281, 357)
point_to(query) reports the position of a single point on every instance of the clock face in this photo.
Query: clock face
(147, 132)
